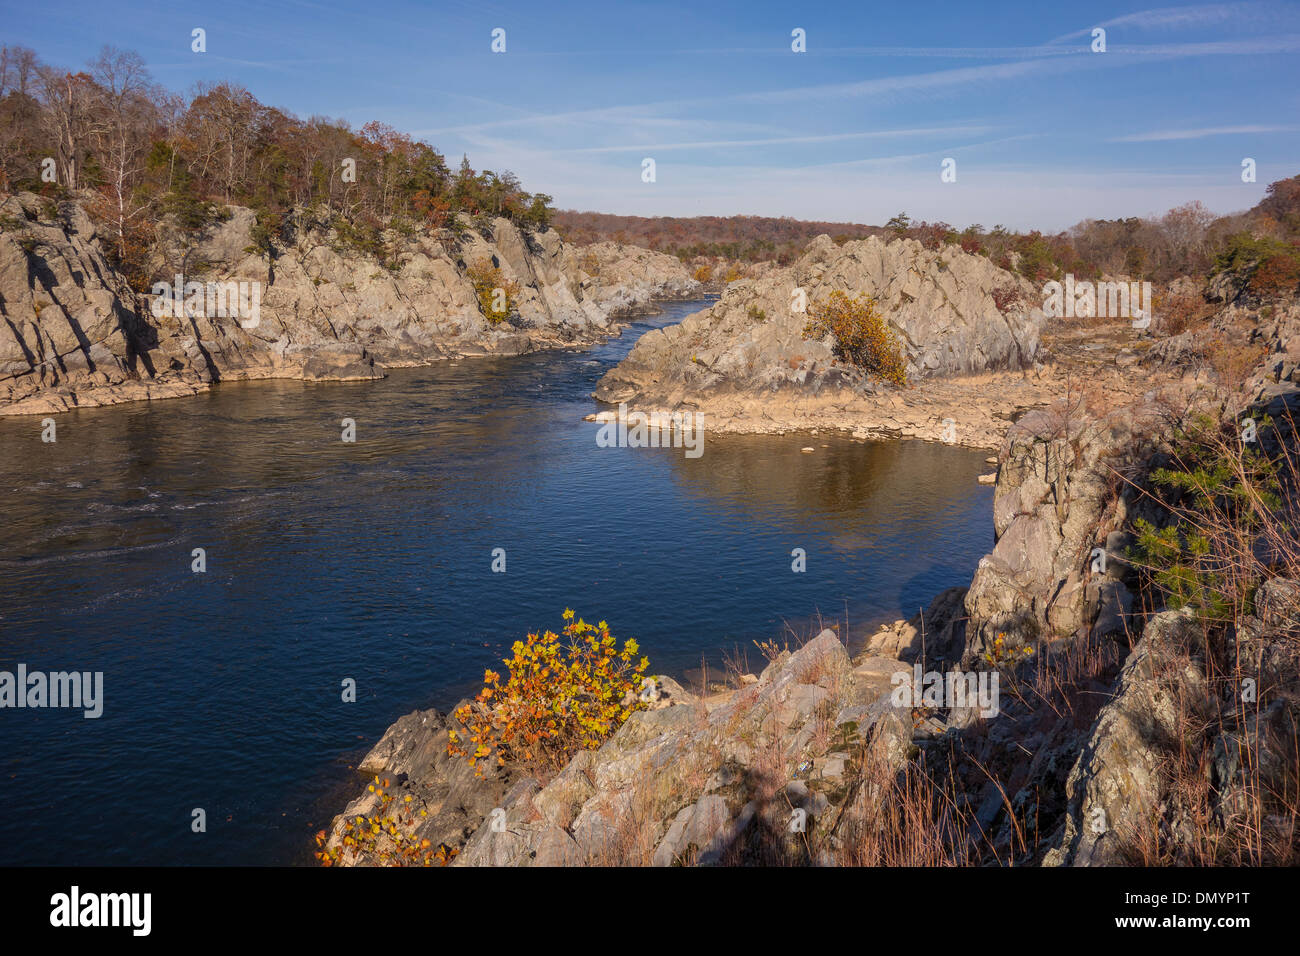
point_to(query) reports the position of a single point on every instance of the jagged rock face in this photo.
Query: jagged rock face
(1267, 337)
(75, 334)
(940, 302)
(687, 781)
(684, 784)
(1058, 499)
(67, 316)
(445, 796)
(1117, 781)
(1120, 786)
(318, 295)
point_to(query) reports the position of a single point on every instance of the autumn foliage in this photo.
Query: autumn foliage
(497, 295)
(384, 837)
(1008, 297)
(562, 693)
(862, 336)
(1260, 267)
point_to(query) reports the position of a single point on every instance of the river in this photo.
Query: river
(371, 561)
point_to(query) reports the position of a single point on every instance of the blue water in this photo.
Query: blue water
(372, 561)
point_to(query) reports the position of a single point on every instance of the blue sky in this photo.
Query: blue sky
(1044, 131)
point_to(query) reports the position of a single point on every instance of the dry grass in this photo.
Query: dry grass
(901, 817)
(1251, 820)
(1249, 538)
(918, 814)
(1178, 312)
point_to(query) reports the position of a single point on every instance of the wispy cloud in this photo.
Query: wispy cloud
(1157, 136)
(915, 82)
(882, 88)
(788, 140)
(1286, 43)
(816, 51)
(1001, 72)
(1184, 18)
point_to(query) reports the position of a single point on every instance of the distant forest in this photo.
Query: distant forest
(736, 238)
(1188, 240)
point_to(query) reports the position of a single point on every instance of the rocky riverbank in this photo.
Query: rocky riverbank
(1123, 732)
(75, 334)
(979, 351)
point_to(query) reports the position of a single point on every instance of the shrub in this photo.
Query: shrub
(1277, 275)
(862, 336)
(562, 695)
(493, 289)
(1002, 655)
(1233, 360)
(1262, 267)
(704, 273)
(935, 235)
(360, 236)
(1177, 312)
(1218, 492)
(1007, 297)
(385, 837)
(1036, 261)
(756, 314)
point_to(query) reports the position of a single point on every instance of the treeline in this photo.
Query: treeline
(145, 153)
(1188, 240)
(1260, 246)
(736, 238)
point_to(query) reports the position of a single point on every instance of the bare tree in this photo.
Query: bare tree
(1186, 226)
(69, 117)
(17, 70)
(126, 96)
(19, 111)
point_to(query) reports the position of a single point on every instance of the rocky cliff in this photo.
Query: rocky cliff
(941, 303)
(74, 333)
(979, 351)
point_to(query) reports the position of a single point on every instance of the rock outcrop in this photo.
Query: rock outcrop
(1059, 504)
(68, 317)
(941, 304)
(974, 367)
(74, 333)
(692, 780)
(1115, 785)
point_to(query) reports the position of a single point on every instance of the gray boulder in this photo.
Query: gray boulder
(940, 303)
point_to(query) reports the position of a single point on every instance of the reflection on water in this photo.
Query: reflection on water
(372, 561)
